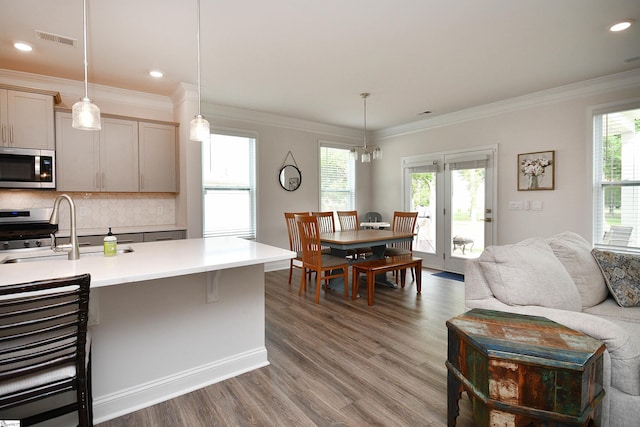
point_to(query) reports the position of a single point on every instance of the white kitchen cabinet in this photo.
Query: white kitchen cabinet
(157, 157)
(77, 156)
(105, 160)
(119, 155)
(26, 120)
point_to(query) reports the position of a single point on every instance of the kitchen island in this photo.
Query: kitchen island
(167, 318)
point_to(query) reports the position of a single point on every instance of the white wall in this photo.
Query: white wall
(557, 120)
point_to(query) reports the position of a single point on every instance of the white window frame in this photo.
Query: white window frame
(598, 221)
(250, 231)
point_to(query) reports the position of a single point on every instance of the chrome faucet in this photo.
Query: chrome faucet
(72, 247)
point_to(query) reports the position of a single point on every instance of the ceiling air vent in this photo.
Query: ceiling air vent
(67, 41)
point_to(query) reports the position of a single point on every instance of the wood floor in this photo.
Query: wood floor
(337, 363)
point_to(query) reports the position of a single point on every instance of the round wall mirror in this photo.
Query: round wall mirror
(290, 178)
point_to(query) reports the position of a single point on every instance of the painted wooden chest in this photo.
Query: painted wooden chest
(523, 371)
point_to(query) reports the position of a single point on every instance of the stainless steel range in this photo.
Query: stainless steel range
(25, 228)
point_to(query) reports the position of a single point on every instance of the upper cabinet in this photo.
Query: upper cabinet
(77, 157)
(125, 156)
(157, 150)
(119, 155)
(26, 120)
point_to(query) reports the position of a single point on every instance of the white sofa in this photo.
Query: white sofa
(559, 278)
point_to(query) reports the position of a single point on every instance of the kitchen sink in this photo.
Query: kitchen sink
(48, 255)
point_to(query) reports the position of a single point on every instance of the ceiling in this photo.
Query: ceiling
(312, 59)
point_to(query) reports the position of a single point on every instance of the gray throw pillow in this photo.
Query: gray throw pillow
(622, 275)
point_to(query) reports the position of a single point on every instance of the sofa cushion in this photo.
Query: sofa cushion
(609, 309)
(528, 273)
(574, 253)
(622, 274)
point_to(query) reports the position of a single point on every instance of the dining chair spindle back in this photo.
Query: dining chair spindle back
(405, 222)
(348, 220)
(326, 224)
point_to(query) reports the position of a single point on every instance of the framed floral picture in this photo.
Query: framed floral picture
(536, 171)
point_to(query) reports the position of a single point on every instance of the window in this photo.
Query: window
(617, 179)
(337, 178)
(229, 186)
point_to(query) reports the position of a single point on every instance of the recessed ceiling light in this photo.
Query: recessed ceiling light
(621, 26)
(23, 46)
(155, 73)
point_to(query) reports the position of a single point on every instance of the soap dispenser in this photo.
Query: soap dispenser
(110, 244)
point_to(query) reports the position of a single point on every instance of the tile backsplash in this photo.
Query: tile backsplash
(100, 210)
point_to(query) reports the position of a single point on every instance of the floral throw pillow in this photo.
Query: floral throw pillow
(622, 275)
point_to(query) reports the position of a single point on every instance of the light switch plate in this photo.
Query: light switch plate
(515, 206)
(536, 205)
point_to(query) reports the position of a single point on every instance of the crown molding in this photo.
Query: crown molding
(73, 89)
(214, 111)
(590, 87)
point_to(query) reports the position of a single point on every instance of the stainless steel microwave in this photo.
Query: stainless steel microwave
(27, 168)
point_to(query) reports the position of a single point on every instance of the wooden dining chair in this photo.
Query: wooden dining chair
(45, 349)
(404, 222)
(349, 222)
(326, 266)
(294, 242)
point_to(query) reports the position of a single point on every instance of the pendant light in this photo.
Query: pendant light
(199, 129)
(84, 113)
(367, 152)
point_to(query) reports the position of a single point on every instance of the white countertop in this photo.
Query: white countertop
(148, 261)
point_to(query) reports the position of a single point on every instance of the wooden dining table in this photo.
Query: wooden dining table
(341, 242)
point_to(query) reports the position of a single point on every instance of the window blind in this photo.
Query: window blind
(337, 179)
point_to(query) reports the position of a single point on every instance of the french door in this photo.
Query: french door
(453, 195)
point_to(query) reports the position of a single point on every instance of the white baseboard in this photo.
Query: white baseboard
(130, 400)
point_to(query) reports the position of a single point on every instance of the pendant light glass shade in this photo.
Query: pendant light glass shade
(366, 156)
(199, 129)
(85, 114)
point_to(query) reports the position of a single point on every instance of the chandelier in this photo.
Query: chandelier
(366, 151)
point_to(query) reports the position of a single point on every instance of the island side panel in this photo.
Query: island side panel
(161, 338)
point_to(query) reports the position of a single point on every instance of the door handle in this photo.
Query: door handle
(487, 220)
